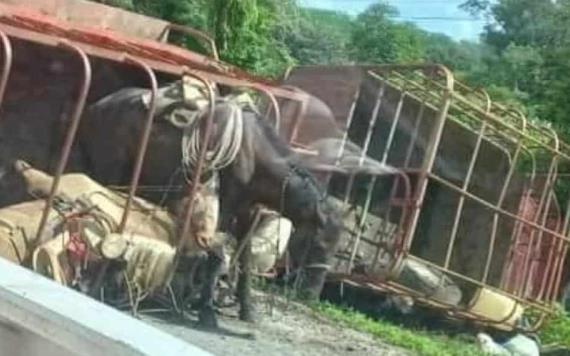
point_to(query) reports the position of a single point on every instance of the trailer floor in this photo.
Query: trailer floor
(287, 328)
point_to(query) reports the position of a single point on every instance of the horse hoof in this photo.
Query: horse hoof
(207, 318)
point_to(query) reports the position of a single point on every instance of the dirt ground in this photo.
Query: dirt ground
(282, 328)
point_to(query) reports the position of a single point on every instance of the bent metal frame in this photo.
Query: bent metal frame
(533, 152)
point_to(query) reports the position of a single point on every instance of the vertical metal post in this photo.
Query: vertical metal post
(198, 170)
(143, 141)
(551, 268)
(496, 215)
(500, 201)
(273, 102)
(7, 65)
(430, 154)
(347, 126)
(301, 111)
(368, 138)
(71, 131)
(372, 183)
(526, 266)
(550, 197)
(564, 250)
(199, 167)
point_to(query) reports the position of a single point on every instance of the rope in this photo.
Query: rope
(225, 149)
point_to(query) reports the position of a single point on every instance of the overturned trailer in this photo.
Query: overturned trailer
(63, 55)
(478, 226)
(476, 203)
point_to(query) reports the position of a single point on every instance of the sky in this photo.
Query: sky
(442, 16)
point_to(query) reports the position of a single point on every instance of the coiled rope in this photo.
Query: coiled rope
(225, 146)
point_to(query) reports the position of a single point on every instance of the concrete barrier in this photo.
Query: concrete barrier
(40, 317)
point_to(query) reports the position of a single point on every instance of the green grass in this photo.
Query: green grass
(421, 342)
(557, 330)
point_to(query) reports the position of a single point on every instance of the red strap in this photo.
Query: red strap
(76, 247)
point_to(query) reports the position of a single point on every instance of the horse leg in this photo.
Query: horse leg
(207, 314)
(244, 282)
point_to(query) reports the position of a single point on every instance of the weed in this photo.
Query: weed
(421, 341)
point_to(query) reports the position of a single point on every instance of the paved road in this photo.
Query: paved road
(286, 329)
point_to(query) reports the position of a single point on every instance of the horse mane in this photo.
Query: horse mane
(283, 149)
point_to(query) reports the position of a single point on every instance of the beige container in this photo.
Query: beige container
(74, 186)
(497, 308)
(269, 240)
(50, 260)
(18, 228)
(145, 218)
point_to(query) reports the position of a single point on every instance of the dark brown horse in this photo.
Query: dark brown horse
(265, 171)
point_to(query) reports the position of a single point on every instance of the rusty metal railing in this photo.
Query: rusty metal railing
(71, 131)
(145, 136)
(435, 106)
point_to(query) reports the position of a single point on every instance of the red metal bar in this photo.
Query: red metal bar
(548, 283)
(214, 70)
(395, 186)
(71, 131)
(272, 100)
(518, 227)
(563, 256)
(7, 65)
(430, 154)
(465, 187)
(496, 216)
(143, 141)
(274, 104)
(194, 33)
(199, 166)
(502, 196)
(302, 110)
(371, 126)
(543, 198)
(370, 188)
(469, 195)
(345, 138)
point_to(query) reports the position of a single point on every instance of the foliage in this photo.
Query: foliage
(531, 44)
(420, 341)
(378, 39)
(522, 60)
(244, 33)
(125, 4)
(320, 37)
(557, 330)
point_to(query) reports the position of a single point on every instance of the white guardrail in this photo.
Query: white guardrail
(40, 317)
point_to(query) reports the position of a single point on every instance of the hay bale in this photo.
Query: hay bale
(145, 219)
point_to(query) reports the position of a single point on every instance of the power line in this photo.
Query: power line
(394, 2)
(437, 18)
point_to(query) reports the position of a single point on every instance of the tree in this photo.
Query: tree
(125, 4)
(531, 40)
(245, 31)
(320, 37)
(378, 39)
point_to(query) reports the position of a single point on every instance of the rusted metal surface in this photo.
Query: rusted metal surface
(88, 13)
(31, 23)
(489, 175)
(71, 131)
(144, 138)
(473, 155)
(191, 32)
(199, 168)
(7, 57)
